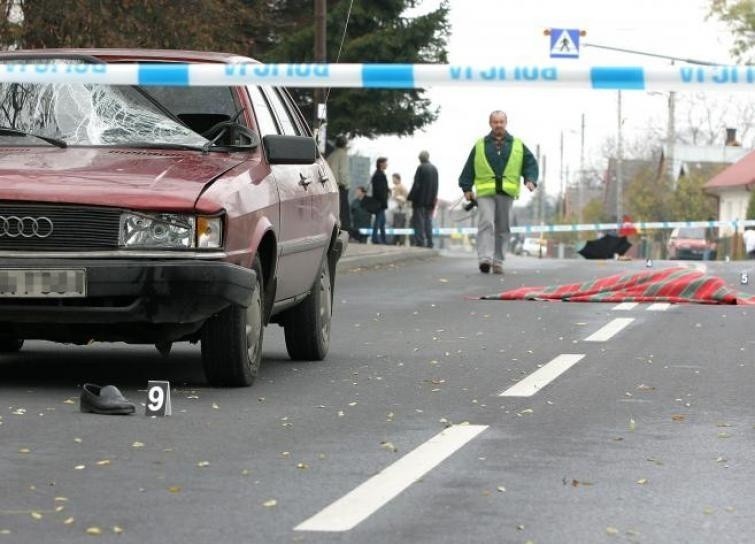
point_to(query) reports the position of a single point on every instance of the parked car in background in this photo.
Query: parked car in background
(533, 247)
(163, 214)
(690, 243)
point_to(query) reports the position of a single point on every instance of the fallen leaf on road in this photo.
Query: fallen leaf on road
(117, 530)
(643, 387)
(103, 462)
(203, 464)
(68, 521)
(677, 417)
(389, 446)
(215, 406)
(612, 531)
(69, 401)
(724, 435)
(94, 531)
(501, 489)
(632, 424)
(24, 450)
(36, 515)
(642, 481)
(175, 489)
(302, 466)
(79, 467)
(270, 503)
(577, 483)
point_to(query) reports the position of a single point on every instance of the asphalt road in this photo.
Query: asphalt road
(401, 435)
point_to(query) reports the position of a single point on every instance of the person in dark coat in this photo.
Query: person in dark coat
(424, 197)
(380, 192)
(361, 218)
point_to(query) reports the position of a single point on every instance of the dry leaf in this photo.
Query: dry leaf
(677, 417)
(36, 515)
(302, 466)
(389, 446)
(137, 444)
(175, 489)
(632, 424)
(24, 450)
(203, 464)
(501, 489)
(103, 462)
(642, 481)
(94, 531)
(270, 503)
(79, 467)
(643, 387)
(117, 530)
(69, 401)
(215, 406)
(613, 531)
(68, 521)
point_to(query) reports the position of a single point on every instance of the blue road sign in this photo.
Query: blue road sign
(564, 43)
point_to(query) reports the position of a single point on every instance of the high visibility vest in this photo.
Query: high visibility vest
(484, 180)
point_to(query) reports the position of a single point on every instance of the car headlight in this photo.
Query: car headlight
(161, 230)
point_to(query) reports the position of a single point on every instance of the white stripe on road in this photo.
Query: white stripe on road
(543, 376)
(659, 307)
(625, 306)
(357, 505)
(608, 331)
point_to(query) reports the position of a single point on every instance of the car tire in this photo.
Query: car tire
(10, 345)
(232, 340)
(307, 326)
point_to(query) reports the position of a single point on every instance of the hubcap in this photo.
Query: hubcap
(325, 306)
(254, 326)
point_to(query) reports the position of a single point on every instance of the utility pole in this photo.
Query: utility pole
(320, 113)
(561, 175)
(619, 180)
(581, 177)
(671, 137)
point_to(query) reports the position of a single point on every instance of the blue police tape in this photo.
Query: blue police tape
(389, 76)
(585, 227)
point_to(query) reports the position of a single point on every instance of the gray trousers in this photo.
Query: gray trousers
(493, 229)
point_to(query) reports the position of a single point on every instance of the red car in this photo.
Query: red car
(163, 214)
(690, 243)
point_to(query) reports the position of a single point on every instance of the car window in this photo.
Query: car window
(692, 232)
(303, 127)
(183, 100)
(281, 111)
(265, 121)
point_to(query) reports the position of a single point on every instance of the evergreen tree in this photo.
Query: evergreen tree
(690, 202)
(377, 32)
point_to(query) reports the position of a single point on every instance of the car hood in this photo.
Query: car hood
(125, 177)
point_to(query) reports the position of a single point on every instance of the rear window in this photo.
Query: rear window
(692, 232)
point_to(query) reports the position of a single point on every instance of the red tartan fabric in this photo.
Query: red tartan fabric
(675, 285)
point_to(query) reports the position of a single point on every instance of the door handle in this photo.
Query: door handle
(304, 182)
(323, 177)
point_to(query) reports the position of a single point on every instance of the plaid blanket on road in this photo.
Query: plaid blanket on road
(676, 285)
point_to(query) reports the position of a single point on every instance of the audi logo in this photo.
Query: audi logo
(26, 227)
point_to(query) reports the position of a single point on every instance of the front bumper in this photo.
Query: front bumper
(134, 291)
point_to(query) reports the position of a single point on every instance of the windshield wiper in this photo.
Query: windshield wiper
(10, 131)
(158, 145)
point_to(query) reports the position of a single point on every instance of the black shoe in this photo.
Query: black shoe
(484, 268)
(104, 400)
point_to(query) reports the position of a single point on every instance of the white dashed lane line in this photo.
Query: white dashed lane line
(543, 376)
(659, 307)
(625, 306)
(357, 505)
(610, 330)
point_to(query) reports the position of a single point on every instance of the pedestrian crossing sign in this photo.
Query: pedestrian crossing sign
(564, 43)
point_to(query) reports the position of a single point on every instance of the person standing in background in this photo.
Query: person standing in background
(424, 197)
(380, 192)
(339, 163)
(362, 218)
(399, 208)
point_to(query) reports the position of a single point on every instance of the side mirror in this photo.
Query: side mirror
(290, 149)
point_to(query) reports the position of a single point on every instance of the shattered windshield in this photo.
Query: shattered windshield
(87, 114)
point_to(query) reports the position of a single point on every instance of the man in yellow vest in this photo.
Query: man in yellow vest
(494, 169)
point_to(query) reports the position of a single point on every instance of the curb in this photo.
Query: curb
(367, 260)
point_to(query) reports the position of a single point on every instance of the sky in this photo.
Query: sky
(506, 31)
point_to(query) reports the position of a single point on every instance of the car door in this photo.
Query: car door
(301, 240)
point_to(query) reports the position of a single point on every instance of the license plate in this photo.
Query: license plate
(42, 283)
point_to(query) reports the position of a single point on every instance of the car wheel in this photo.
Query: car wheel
(10, 345)
(232, 340)
(307, 325)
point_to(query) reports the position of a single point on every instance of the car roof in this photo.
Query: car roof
(134, 55)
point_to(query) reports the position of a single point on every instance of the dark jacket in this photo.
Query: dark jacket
(380, 188)
(424, 191)
(360, 217)
(498, 162)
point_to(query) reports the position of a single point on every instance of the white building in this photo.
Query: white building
(733, 188)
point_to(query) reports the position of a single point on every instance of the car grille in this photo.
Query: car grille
(73, 227)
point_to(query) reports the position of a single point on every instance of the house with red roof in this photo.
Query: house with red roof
(733, 187)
